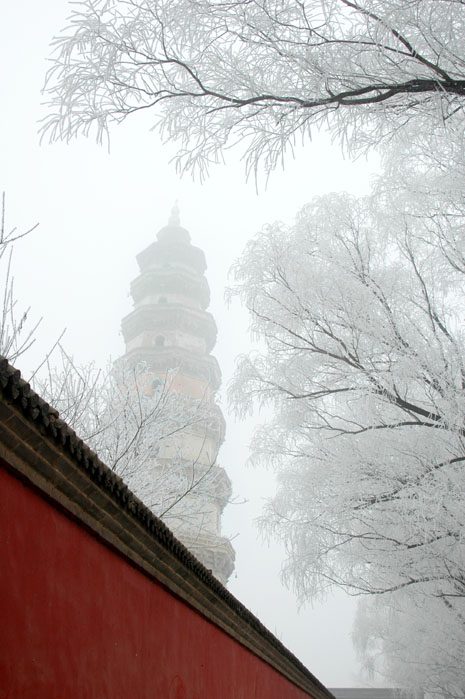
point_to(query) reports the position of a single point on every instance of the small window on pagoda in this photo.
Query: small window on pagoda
(159, 341)
(156, 385)
(162, 299)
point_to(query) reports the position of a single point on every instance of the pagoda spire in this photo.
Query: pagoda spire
(174, 219)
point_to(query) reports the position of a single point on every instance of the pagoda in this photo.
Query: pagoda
(171, 334)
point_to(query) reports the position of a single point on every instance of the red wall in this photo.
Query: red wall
(79, 621)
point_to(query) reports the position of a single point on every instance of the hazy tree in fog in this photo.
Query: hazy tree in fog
(262, 72)
(416, 643)
(359, 307)
(137, 426)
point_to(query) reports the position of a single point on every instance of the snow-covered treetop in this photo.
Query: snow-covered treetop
(260, 71)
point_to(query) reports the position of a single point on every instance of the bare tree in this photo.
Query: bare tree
(149, 434)
(216, 72)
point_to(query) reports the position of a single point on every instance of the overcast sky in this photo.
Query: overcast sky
(97, 210)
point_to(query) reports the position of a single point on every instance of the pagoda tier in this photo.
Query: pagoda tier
(170, 322)
(218, 557)
(153, 285)
(197, 368)
(172, 247)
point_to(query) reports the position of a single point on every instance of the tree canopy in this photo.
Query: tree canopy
(258, 72)
(359, 308)
(364, 365)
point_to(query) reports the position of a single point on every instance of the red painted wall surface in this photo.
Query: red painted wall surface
(79, 621)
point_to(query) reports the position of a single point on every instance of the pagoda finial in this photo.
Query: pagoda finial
(174, 219)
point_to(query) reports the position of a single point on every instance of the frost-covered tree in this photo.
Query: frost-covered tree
(262, 72)
(413, 643)
(138, 427)
(359, 308)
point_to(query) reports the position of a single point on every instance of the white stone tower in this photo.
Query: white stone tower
(170, 330)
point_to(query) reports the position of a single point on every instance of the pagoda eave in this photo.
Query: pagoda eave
(170, 317)
(164, 360)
